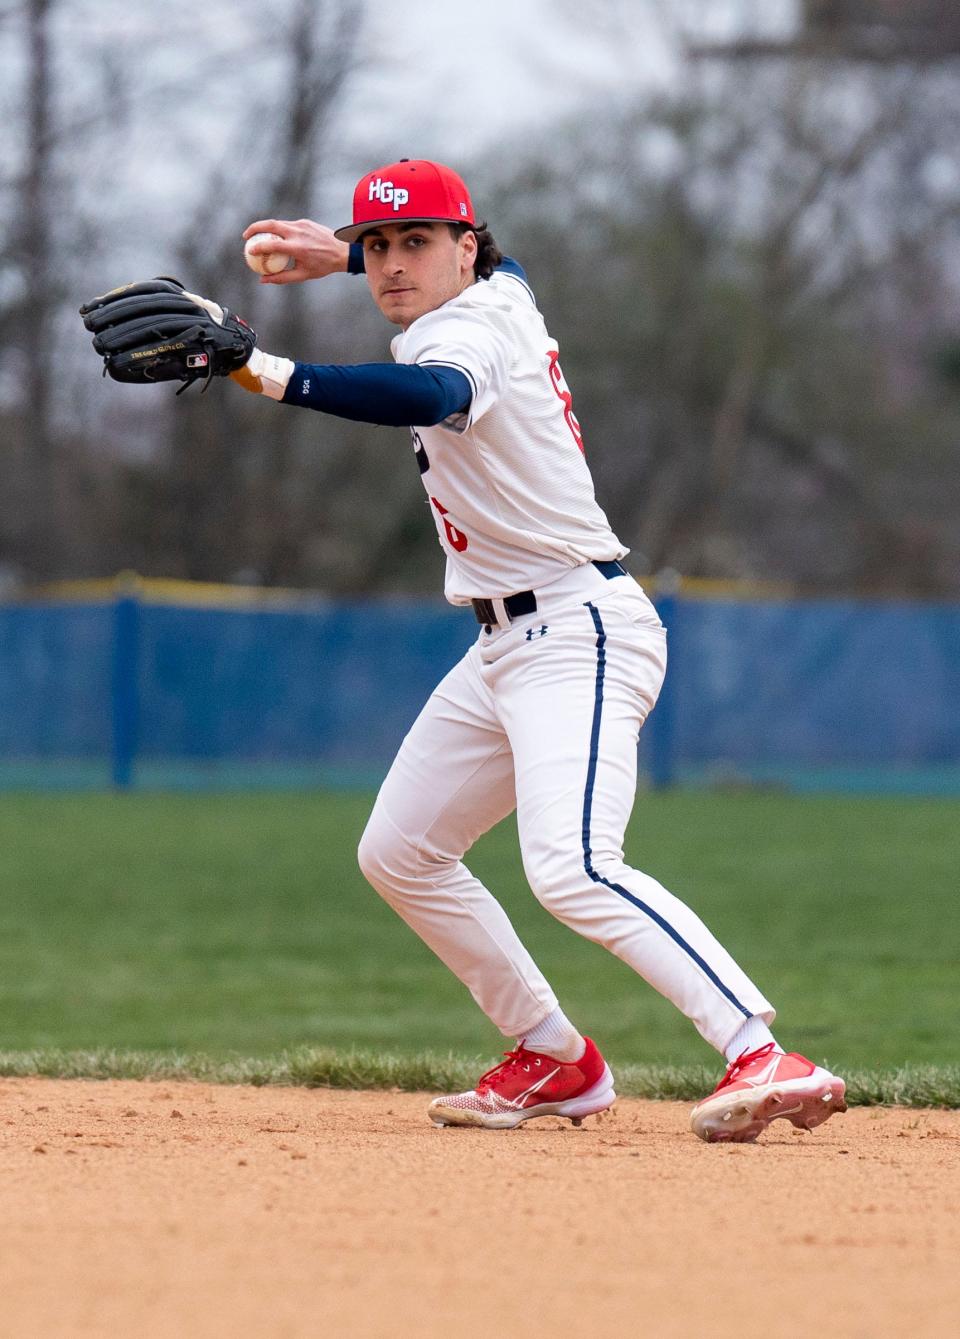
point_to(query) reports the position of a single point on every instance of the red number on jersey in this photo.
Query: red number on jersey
(455, 538)
(563, 392)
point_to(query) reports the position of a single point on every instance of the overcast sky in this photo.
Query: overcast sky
(442, 74)
(453, 74)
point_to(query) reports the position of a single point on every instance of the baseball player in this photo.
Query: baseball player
(542, 714)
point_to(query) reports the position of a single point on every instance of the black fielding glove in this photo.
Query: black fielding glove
(155, 331)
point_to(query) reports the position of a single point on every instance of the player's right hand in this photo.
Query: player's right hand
(313, 246)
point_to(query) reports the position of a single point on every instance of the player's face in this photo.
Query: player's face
(413, 268)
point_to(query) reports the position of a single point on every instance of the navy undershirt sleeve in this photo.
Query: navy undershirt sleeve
(393, 394)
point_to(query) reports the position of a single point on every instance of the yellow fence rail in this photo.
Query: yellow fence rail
(211, 594)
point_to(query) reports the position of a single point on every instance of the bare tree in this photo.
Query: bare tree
(246, 498)
(769, 250)
(61, 496)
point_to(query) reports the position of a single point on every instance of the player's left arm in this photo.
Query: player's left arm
(391, 394)
(155, 330)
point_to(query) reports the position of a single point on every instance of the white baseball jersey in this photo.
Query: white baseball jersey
(509, 487)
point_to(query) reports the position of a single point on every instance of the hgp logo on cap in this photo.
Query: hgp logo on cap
(413, 189)
(388, 193)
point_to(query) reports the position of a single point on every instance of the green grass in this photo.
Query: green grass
(237, 927)
(312, 1067)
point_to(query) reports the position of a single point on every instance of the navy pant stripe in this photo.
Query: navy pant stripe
(587, 811)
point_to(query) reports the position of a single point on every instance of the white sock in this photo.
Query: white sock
(556, 1036)
(752, 1034)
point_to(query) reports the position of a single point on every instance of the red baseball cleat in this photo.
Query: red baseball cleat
(528, 1084)
(761, 1085)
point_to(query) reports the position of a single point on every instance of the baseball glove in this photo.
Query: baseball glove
(156, 331)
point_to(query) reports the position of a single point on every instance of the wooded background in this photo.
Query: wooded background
(750, 265)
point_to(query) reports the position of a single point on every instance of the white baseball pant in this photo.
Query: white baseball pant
(543, 715)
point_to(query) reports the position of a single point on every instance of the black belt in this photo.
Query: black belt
(525, 602)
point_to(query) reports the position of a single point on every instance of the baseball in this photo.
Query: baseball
(266, 262)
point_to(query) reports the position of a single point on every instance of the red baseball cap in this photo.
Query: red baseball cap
(411, 191)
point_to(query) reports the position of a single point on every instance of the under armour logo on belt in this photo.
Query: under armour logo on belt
(541, 632)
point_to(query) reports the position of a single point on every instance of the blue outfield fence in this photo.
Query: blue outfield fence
(162, 684)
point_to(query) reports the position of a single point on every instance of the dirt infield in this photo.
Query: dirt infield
(159, 1209)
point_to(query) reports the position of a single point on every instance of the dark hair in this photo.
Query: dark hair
(489, 254)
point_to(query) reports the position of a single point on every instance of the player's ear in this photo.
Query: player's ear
(468, 248)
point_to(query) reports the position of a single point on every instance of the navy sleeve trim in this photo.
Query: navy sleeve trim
(513, 267)
(514, 270)
(432, 362)
(355, 261)
(394, 394)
